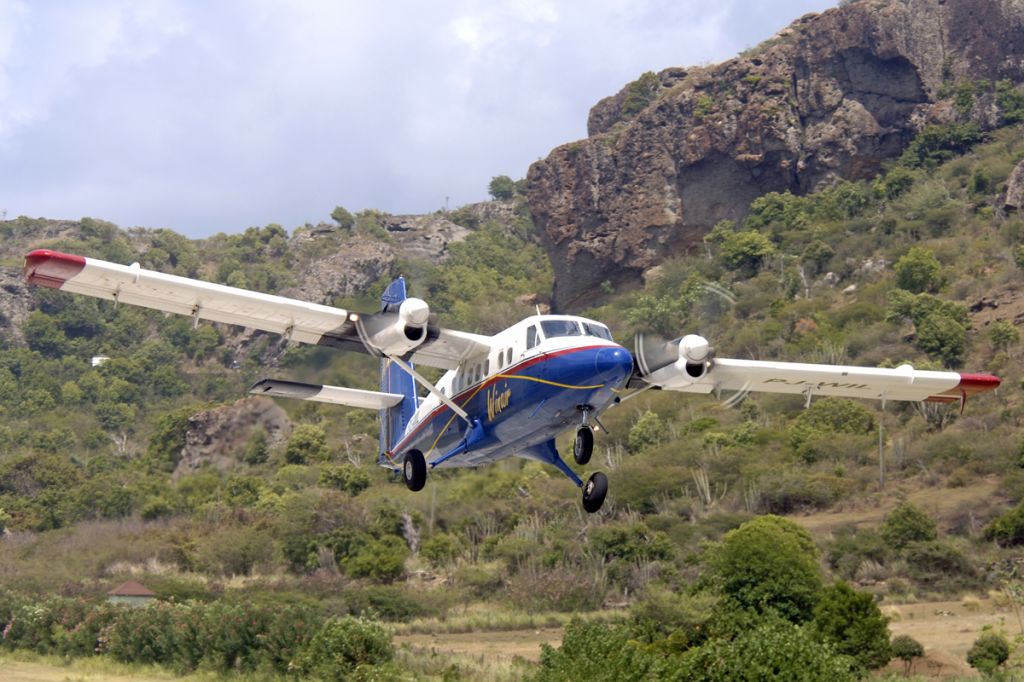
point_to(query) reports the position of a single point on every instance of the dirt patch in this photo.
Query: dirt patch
(941, 503)
(947, 630)
(493, 646)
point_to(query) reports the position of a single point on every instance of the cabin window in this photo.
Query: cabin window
(442, 391)
(501, 358)
(598, 330)
(510, 356)
(531, 337)
(487, 366)
(553, 328)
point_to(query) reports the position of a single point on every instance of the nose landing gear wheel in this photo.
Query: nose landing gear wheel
(594, 491)
(414, 470)
(583, 446)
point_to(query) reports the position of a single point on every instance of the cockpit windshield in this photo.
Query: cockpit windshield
(553, 328)
(598, 330)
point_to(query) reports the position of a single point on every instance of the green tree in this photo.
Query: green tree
(256, 449)
(745, 252)
(502, 187)
(596, 651)
(648, 430)
(852, 621)
(906, 648)
(440, 549)
(773, 651)
(1007, 529)
(767, 564)
(905, 524)
(988, 652)
(346, 477)
(943, 338)
(344, 219)
(168, 439)
(918, 271)
(342, 646)
(640, 93)
(308, 443)
(1003, 334)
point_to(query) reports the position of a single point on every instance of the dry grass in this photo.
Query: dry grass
(28, 667)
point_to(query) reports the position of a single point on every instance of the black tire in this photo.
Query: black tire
(583, 446)
(414, 470)
(594, 491)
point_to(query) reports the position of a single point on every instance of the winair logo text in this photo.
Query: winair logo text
(817, 384)
(497, 400)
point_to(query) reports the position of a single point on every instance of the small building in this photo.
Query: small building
(132, 593)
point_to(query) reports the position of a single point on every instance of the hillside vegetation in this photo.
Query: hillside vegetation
(698, 562)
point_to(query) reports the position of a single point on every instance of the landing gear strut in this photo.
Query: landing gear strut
(414, 470)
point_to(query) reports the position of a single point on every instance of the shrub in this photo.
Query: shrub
(906, 648)
(648, 430)
(346, 477)
(501, 187)
(595, 651)
(440, 549)
(853, 623)
(308, 443)
(988, 652)
(775, 651)
(1007, 529)
(905, 524)
(768, 564)
(918, 271)
(343, 645)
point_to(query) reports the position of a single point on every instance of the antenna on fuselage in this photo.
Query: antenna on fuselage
(536, 306)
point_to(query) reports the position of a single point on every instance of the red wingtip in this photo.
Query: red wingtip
(978, 383)
(51, 269)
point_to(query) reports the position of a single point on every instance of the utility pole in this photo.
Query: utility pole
(881, 457)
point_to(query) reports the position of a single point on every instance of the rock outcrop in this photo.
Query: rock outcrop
(217, 437)
(831, 96)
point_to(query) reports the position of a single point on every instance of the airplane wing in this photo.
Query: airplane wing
(298, 320)
(686, 365)
(336, 395)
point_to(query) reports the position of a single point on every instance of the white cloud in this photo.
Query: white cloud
(215, 116)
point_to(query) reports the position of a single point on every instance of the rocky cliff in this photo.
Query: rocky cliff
(831, 96)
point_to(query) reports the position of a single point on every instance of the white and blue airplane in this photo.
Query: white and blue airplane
(507, 394)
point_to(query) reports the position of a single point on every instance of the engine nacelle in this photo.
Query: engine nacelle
(407, 332)
(694, 354)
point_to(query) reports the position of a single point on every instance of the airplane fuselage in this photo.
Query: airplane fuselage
(536, 382)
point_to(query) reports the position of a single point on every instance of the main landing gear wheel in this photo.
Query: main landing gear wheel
(583, 446)
(414, 471)
(594, 491)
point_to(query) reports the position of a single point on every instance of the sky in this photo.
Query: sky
(208, 117)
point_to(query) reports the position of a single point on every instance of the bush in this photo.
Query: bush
(1007, 529)
(343, 645)
(774, 651)
(768, 564)
(595, 651)
(988, 653)
(906, 648)
(648, 430)
(502, 187)
(918, 271)
(853, 623)
(308, 443)
(905, 524)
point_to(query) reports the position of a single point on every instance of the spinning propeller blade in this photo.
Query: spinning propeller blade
(654, 352)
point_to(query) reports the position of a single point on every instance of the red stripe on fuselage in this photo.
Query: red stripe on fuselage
(514, 369)
(51, 269)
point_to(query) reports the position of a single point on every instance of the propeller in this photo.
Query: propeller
(654, 352)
